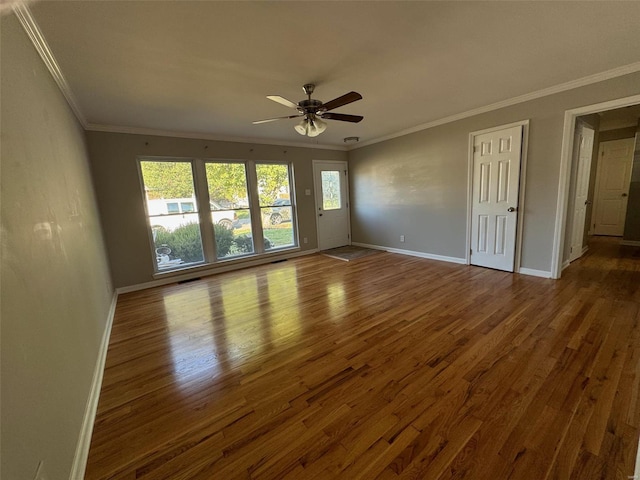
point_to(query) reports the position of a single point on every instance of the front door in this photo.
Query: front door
(332, 204)
(615, 161)
(494, 206)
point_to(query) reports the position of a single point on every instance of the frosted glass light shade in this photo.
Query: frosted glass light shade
(321, 125)
(311, 126)
(302, 127)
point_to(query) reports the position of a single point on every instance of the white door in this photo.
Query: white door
(585, 153)
(494, 206)
(332, 204)
(615, 161)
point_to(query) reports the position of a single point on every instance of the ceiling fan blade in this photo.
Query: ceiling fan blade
(283, 101)
(340, 101)
(342, 117)
(274, 119)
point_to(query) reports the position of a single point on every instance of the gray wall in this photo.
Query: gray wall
(56, 292)
(632, 221)
(120, 198)
(416, 185)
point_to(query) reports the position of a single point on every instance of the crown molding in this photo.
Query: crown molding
(206, 136)
(563, 87)
(34, 33)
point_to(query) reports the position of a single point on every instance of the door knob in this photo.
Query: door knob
(511, 209)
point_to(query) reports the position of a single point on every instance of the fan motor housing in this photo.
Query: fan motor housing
(309, 106)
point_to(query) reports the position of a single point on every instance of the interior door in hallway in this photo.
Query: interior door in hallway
(494, 207)
(332, 204)
(615, 160)
(585, 153)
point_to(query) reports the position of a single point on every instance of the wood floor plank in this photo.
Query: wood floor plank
(386, 367)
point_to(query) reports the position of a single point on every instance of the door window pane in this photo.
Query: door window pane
(172, 214)
(331, 199)
(230, 209)
(276, 208)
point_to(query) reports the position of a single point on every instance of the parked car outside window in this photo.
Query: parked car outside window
(280, 212)
(174, 212)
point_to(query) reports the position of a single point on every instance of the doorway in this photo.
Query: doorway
(566, 165)
(331, 182)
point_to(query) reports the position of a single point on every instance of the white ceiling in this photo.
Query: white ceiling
(206, 67)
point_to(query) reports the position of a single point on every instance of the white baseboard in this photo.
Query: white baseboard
(84, 441)
(412, 253)
(565, 264)
(630, 243)
(585, 249)
(173, 277)
(535, 273)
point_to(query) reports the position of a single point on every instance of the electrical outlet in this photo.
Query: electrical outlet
(40, 473)
(304, 240)
(402, 238)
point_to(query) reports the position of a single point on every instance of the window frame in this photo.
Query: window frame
(206, 225)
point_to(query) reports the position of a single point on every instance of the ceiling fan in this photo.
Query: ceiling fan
(314, 112)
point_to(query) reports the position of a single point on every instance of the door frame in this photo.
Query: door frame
(521, 193)
(566, 162)
(344, 163)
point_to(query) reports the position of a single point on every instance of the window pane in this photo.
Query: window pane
(331, 190)
(188, 207)
(172, 207)
(176, 235)
(230, 209)
(275, 205)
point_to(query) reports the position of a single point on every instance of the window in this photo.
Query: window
(331, 190)
(230, 213)
(275, 205)
(173, 219)
(246, 209)
(187, 207)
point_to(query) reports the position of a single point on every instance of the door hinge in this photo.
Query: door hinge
(470, 251)
(476, 148)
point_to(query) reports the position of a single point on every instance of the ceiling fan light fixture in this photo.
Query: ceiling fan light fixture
(321, 125)
(302, 127)
(315, 126)
(311, 126)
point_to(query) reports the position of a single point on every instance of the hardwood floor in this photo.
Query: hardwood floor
(386, 367)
